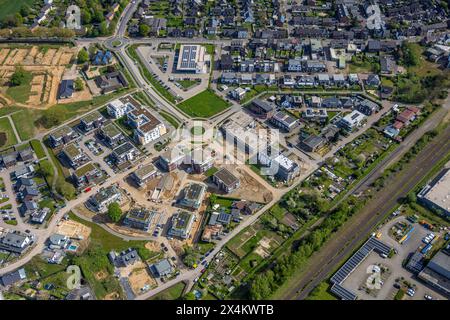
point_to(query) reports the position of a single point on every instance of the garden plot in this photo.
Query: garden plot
(45, 66)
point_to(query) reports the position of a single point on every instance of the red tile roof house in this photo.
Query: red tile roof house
(398, 125)
(408, 115)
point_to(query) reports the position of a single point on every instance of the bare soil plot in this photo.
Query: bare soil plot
(250, 189)
(51, 63)
(73, 229)
(3, 54)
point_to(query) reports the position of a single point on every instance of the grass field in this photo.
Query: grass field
(107, 240)
(7, 136)
(321, 293)
(11, 7)
(204, 105)
(172, 293)
(24, 123)
(22, 92)
(174, 122)
(38, 149)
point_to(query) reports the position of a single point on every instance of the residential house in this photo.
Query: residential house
(225, 180)
(181, 224)
(352, 120)
(92, 121)
(13, 277)
(171, 159)
(162, 268)
(104, 197)
(312, 143)
(192, 196)
(144, 174)
(139, 218)
(261, 108)
(125, 258)
(86, 174)
(16, 242)
(284, 121)
(126, 152)
(66, 89)
(61, 136)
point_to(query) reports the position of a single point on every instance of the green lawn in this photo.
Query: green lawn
(186, 84)
(172, 293)
(22, 92)
(321, 292)
(7, 136)
(24, 123)
(10, 7)
(204, 105)
(38, 148)
(174, 122)
(107, 240)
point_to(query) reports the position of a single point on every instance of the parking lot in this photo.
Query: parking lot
(358, 279)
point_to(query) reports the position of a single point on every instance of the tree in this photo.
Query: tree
(25, 11)
(212, 199)
(411, 197)
(190, 257)
(79, 84)
(17, 78)
(83, 56)
(189, 296)
(64, 188)
(51, 118)
(144, 30)
(103, 28)
(86, 17)
(45, 169)
(410, 55)
(114, 212)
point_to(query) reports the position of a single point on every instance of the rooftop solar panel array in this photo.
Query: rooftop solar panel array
(351, 264)
(188, 57)
(343, 293)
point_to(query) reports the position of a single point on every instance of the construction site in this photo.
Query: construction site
(45, 67)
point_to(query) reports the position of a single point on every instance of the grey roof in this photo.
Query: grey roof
(193, 191)
(13, 277)
(66, 88)
(224, 218)
(263, 105)
(226, 177)
(124, 148)
(162, 267)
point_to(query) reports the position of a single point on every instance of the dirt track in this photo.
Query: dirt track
(359, 226)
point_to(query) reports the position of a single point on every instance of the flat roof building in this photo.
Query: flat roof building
(104, 197)
(181, 225)
(139, 218)
(191, 58)
(225, 180)
(437, 194)
(437, 272)
(352, 120)
(144, 174)
(192, 195)
(162, 268)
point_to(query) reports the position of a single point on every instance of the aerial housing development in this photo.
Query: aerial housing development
(224, 150)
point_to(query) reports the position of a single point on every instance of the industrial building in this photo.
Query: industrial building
(192, 59)
(436, 195)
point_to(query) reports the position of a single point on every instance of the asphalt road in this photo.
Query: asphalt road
(359, 226)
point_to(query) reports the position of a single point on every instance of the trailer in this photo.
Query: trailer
(426, 248)
(406, 236)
